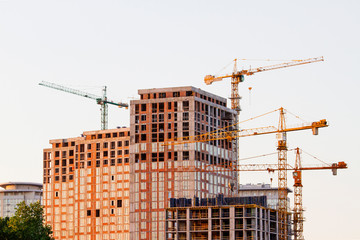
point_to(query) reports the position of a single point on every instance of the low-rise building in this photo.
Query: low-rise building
(222, 218)
(262, 189)
(15, 192)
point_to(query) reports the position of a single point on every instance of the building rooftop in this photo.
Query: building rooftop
(185, 88)
(19, 186)
(258, 187)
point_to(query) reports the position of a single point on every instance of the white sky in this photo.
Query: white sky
(128, 45)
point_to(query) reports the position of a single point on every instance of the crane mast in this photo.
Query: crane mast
(101, 100)
(282, 177)
(298, 217)
(280, 131)
(297, 169)
(238, 77)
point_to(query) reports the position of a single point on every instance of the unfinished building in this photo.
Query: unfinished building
(241, 218)
(159, 171)
(86, 186)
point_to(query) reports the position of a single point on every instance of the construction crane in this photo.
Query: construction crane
(280, 131)
(101, 100)
(298, 217)
(238, 77)
(297, 169)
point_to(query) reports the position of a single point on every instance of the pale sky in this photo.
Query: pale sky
(127, 45)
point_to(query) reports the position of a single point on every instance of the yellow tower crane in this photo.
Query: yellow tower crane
(280, 131)
(238, 77)
(297, 213)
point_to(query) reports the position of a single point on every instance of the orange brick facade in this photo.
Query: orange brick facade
(160, 172)
(86, 186)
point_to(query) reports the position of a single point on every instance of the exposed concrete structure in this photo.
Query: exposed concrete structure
(160, 172)
(15, 192)
(222, 221)
(86, 186)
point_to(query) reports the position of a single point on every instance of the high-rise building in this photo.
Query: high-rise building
(86, 185)
(160, 171)
(15, 192)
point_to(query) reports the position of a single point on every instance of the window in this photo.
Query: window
(154, 118)
(97, 212)
(119, 203)
(161, 117)
(154, 107)
(176, 94)
(162, 95)
(185, 155)
(143, 107)
(185, 116)
(161, 107)
(154, 157)
(88, 213)
(186, 105)
(154, 137)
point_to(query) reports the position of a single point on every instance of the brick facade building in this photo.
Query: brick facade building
(86, 186)
(160, 171)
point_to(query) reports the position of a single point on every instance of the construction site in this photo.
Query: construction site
(175, 173)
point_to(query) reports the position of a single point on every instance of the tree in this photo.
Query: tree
(5, 231)
(26, 224)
